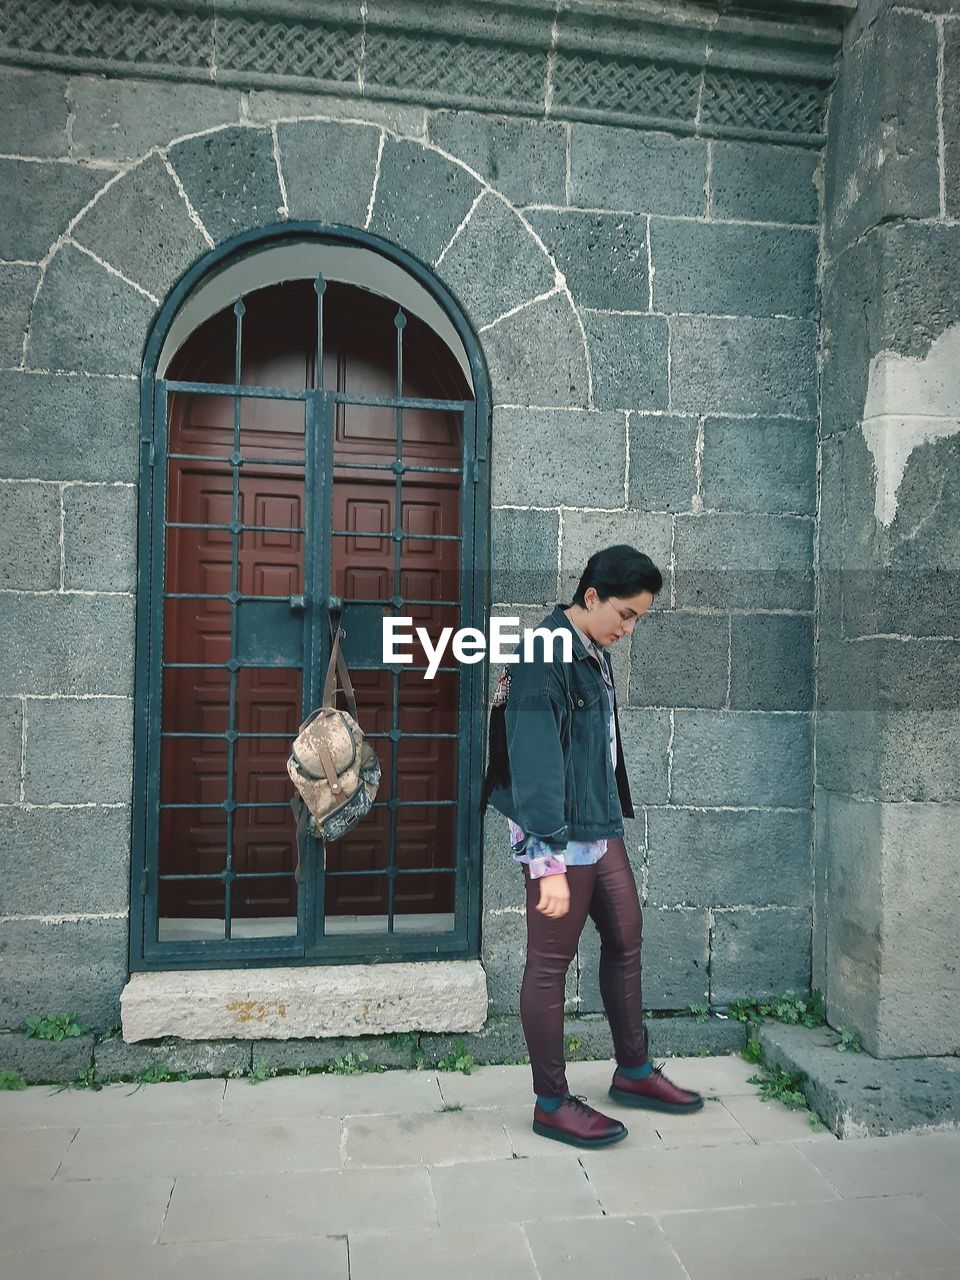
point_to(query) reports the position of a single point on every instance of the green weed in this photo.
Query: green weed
(457, 1060)
(55, 1026)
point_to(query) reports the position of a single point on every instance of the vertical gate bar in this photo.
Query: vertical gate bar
(469, 683)
(155, 658)
(238, 310)
(309, 680)
(400, 321)
(320, 482)
(320, 287)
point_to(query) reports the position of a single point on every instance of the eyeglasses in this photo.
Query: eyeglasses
(626, 615)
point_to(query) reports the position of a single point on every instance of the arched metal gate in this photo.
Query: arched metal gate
(264, 504)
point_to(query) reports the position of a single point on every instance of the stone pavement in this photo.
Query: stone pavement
(377, 1177)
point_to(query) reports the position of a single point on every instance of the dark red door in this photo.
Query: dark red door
(264, 694)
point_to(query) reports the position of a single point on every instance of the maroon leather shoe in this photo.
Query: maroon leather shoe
(578, 1124)
(654, 1091)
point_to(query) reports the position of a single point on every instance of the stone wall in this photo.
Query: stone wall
(647, 303)
(887, 765)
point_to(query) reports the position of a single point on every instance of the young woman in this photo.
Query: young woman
(557, 773)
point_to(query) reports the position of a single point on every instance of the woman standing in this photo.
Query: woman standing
(557, 774)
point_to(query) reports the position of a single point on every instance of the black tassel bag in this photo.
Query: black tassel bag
(498, 765)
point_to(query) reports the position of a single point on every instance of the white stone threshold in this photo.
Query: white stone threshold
(305, 1001)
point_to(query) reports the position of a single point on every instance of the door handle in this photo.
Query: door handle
(297, 602)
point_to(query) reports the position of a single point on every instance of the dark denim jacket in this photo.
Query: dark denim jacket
(563, 785)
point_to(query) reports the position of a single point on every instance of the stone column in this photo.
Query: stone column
(887, 779)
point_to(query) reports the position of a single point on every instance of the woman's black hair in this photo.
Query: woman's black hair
(618, 571)
(615, 571)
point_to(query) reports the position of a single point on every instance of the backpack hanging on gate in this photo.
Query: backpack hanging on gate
(334, 769)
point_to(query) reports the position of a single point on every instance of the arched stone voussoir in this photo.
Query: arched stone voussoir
(494, 263)
(230, 177)
(328, 170)
(86, 319)
(141, 226)
(421, 198)
(536, 356)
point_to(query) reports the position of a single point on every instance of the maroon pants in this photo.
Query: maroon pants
(607, 892)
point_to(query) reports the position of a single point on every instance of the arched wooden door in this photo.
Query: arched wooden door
(317, 451)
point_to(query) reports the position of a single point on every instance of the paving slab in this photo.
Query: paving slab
(76, 1214)
(322, 1256)
(248, 1206)
(45, 1107)
(603, 1249)
(928, 1162)
(489, 1086)
(184, 1147)
(772, 1121)
(631, 1181)
(431, 1138)
(32, 1155)
(379, 1093)
(799, 1242)
(498, 1191)
(466, 1252)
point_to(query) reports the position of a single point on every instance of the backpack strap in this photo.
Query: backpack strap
(337, 667)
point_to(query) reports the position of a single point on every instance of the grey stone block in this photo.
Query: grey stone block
(759, 464)
(744, 561)
(100, 537)
(523, 548)
(266, 105)
(11, 749)
(741, 758)
(728, 858)
(629, 358)
(662, 461)
(722, 269)
(500, 1040)
(37, 202)
(771, 662)
(328, 170)
(45, 1061)
(765, 183)
(537, 356)
(883, 120)
(760, 953)
(33, 113)
(17, 288)
(951, 116)
(66, 644)
(62, 428)
(122, 119)
(890, 755)
(857, 1095)
(679, 660)
(602, 255)
(421, 199)
(744, 365)
(558, 456)
(640, 172)
(645, 736)
(852, 327)
(87, 319)
(525, 160)
(141, 226)
(69, 966)
(585, 532)
(675, 958)
(64, 860)
(502, 952)
(92, 741)
(230, 178)
(114, 1059)
(29, 536)
(495, 234)
(502, 876)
